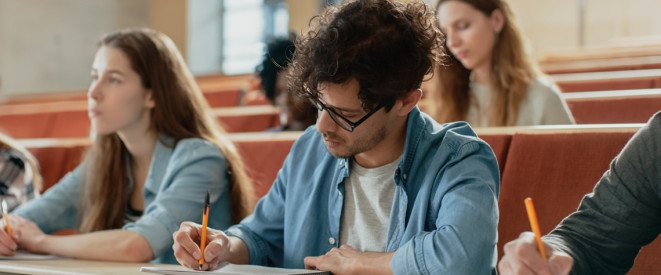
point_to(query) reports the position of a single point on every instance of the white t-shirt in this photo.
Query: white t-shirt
(368, 196)
(542, 105)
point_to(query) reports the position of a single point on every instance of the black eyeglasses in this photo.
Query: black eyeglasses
(339, 119)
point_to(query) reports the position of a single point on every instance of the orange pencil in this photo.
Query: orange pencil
(205, 220)
(6, 216)
(532, 216)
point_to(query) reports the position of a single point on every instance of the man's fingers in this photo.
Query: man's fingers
(213, 250)
(560, 263)
(183, 257)
(310, 262)
(184, 239)
(527, 252)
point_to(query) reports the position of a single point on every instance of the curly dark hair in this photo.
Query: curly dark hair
(278, 54)
(387, 46)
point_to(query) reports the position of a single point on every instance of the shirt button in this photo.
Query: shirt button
(339, 193)
(331, 240)
(404, 176)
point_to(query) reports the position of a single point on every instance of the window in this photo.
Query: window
(246, 25)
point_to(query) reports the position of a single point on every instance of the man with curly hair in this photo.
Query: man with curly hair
(377, 187)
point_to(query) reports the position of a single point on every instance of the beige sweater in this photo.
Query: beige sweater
(542, 105)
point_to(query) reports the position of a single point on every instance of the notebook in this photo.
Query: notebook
(232, 269)
(24, 255)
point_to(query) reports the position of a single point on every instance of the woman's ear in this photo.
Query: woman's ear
(149, 99)
(497, 20)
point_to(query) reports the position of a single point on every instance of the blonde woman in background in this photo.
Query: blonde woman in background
(488, 78)
(156, 153)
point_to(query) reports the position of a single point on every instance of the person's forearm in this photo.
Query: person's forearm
(374, 263)
(239, 253)
(108, 245)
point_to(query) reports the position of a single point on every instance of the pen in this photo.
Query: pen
(6, 216)
(205, 219)
(532, 216)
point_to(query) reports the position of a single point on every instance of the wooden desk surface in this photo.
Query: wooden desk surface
(72, 267)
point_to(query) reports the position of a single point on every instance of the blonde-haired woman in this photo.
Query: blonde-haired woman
(488, 78)
(20, 180)
(155, 155)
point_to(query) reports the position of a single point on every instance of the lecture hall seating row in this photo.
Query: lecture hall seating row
(69, 119)
(555, 165)
(606, 81)
(64, 121)
(617, 106)
(224, 97)
(229, 91)
(625, 55)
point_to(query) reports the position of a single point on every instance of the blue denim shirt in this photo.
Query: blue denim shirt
(444, 215)
(173, 193)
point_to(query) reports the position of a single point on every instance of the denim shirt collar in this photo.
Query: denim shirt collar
(159, 163)
(415, 126)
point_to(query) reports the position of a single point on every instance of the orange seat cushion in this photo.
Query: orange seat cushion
(556, 170)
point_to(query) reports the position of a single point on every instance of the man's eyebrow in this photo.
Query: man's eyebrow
(344, 110)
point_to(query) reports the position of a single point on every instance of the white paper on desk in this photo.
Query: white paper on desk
(24, 255)
(233, 269)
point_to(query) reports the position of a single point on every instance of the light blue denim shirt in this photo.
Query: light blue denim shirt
(174, 192)
(444, 215)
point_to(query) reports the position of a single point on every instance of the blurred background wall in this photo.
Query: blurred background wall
(48, 46)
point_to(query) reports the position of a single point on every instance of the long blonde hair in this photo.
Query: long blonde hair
(512, 71)
(181, 112)
(8, 143)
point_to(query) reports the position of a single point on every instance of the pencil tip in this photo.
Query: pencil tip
(200, 267)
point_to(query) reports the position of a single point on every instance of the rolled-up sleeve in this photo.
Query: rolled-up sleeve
(263, 231)
(59, 207)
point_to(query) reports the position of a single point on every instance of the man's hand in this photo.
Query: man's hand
(522, 257)
(346, 260)
(188, 253)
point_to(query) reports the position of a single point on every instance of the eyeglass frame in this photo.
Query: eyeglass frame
(320, 106)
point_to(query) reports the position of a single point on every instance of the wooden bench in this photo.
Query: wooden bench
(606, 81)
(619, 106)
(602, 65)
(70, 119)
(219, 90)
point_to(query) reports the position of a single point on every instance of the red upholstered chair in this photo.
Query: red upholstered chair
(604, 85)
(500, 144)
(35, 125)
(556, 169)
(70, 124)
(51, 163)
(223, 98)
(626, 109)
(247, 118)
(263, 160)
(75, 155)
(249, 123)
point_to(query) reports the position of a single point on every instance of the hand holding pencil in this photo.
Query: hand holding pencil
(528, 253)
(205, 221)
(8, 244)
